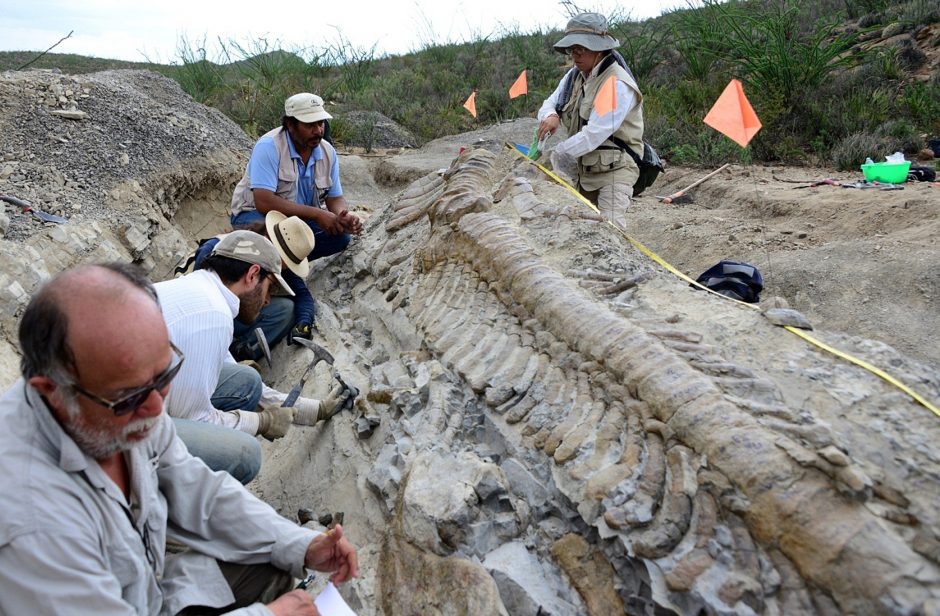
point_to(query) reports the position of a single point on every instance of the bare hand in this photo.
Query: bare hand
(330, 222)
(548, 126)
(351, 222)
(294, 603)
(333, 552)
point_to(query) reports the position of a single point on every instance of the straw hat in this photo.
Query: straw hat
(293, 238)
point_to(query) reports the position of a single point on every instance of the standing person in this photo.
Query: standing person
(199, 309)
(596, 148)
(284, 315)
(295, 171)
(95, 479)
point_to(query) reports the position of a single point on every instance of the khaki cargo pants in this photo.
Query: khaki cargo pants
(612, 200)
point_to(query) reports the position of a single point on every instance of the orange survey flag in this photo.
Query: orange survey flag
(520, 87)
(470, 105)
(733, 116)
(606, 99)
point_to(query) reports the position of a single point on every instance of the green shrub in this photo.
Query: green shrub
(890, 137)
(199, 77)
(817, 96)
(640, 46)
(922, 103)
(772, 54)
(919, 13)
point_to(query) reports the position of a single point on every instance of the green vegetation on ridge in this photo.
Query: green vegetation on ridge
(833, 81)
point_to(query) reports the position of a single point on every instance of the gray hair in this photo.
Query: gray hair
(43, 331)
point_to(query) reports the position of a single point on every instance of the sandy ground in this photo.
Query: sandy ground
(861, 261)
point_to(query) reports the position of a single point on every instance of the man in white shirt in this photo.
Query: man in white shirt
(95, 479)
(199, 308)
(597, 150)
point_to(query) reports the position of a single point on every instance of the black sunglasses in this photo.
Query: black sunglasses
(133, 400)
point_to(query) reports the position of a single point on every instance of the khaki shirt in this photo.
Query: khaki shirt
(71, 543)
(243, 199)
(608, 163)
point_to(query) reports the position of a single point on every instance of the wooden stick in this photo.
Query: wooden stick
(676, 195)
(46, 51)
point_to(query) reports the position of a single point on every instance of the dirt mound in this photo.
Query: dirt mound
(371, 130)
(74, 145)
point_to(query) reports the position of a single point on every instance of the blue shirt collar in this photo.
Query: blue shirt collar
(317, 151)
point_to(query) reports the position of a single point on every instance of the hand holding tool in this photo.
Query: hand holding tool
(322, 354)
(319, 354)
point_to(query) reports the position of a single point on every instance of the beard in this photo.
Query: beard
(101, 444)
(250, 305)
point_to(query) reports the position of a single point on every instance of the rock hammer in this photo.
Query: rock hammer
(321, 354)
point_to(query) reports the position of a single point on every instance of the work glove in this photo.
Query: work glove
(301, 330)
(333, 403)
(274, 423)
(310, 411)
(564, 165)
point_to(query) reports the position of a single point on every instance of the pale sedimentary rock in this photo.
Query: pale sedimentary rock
(683, 460)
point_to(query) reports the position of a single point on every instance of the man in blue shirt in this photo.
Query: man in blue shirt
(295, 171)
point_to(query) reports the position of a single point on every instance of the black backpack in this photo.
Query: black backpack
(921, 174)
(650, 165)
(735, 279)
(650, 168)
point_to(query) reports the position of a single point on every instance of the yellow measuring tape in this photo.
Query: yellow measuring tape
(802, 334)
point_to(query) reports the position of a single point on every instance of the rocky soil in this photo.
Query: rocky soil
(459, 503)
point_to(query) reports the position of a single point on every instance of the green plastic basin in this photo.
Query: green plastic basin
(890, 173)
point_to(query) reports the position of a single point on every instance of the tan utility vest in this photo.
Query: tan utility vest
(244, 201)
(608, 163)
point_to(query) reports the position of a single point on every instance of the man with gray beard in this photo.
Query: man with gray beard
(94, 478)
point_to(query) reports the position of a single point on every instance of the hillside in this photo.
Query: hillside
(833, 82)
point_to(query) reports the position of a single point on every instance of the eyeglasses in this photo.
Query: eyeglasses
(137, 396)
(577, 51)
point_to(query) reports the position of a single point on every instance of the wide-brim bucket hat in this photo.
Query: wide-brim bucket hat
(293, 239)
(589, 30)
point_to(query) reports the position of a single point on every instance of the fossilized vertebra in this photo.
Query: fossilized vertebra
(692, 442)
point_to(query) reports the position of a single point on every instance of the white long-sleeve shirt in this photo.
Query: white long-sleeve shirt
(198, 310)
(598, 129)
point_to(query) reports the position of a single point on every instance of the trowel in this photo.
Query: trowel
(29, 209)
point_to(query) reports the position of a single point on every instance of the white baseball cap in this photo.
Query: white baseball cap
(306, 107)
